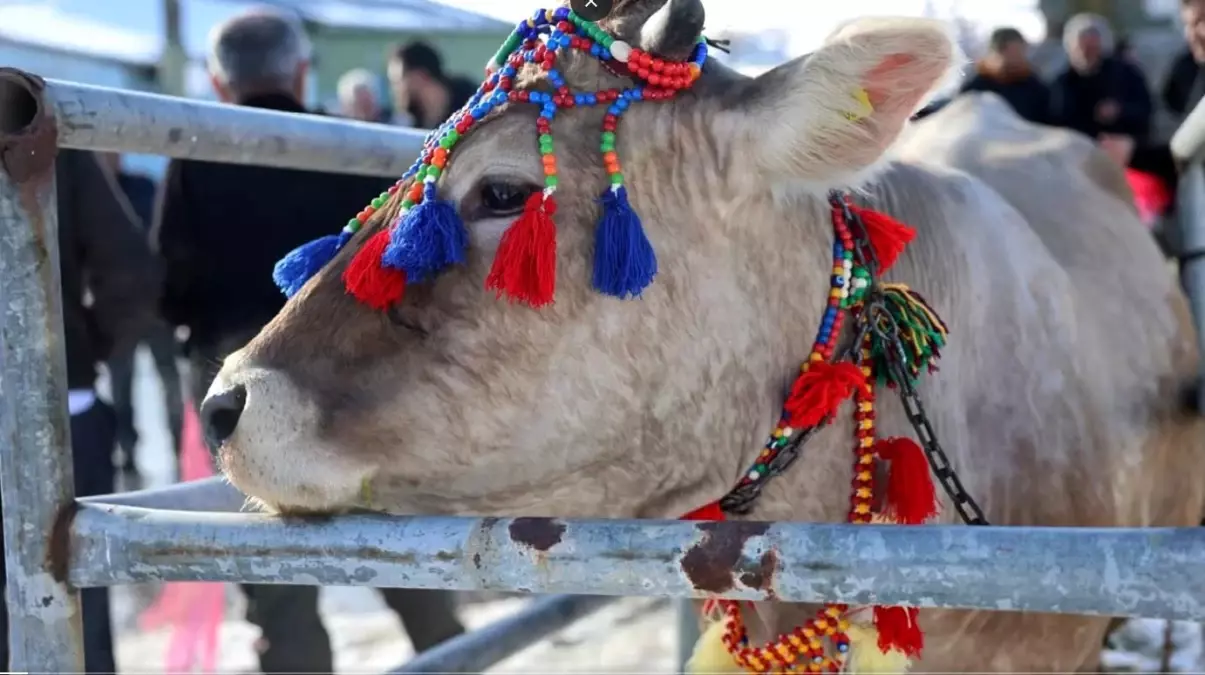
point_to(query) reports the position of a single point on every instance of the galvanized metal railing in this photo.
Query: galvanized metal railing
(57, 544)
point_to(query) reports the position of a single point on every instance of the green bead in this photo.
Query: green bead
(546, 138)
(353, 225)
(422, 172)
(608, 137)
(434, 171)
(550, 181)
(406, 204)
(606, 41)
(606, 147)
(378, 202)
(617, 179)
(454, 135)
(760, 468)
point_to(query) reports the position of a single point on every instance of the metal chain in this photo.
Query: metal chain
(968, 509)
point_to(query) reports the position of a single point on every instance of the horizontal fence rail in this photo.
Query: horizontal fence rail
(1113, 572)
(115, 120)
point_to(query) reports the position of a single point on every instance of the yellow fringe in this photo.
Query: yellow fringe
(866, 657)
(710, 656)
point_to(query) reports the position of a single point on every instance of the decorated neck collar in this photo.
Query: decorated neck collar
(428, 235)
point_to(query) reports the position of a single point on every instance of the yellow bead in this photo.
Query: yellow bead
(832, 612)
(795, 641)
(864, 475)
(821, 624)
(866, 424)
(866, 371)
(815, 356)
(834, 293)
(816, 645)
(866, 442)
(843, 625)
(863, 493)
(809, 633)
(862, 509)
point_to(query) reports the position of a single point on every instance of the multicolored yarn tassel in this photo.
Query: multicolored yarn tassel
(921, 331)
(428, 235)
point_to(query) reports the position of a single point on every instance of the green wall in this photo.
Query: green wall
(340, 50)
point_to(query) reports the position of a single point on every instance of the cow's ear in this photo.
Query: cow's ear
(828, 118)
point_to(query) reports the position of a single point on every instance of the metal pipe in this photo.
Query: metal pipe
(1112, 571)
(45, 633)
(688, 632)
(208, 494)
(1190, 224)
(115, 120)
(1188, 143)
(478, 650)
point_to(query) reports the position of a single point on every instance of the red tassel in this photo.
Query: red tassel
(899, 630)
(911, 498)
(370, 282)
(888, 236)
(710, 512)
(524, 267)
(820, 391)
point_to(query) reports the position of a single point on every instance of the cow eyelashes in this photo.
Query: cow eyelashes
(398, 319)
(499, 198)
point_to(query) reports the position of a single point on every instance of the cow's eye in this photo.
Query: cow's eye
(502, 198)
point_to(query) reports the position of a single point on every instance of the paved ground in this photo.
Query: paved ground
(631, 636)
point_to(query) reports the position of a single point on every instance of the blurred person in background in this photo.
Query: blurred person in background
(220, 229)
(420, 85)
(1185, 85)
(360, 96)
(140, 190)
(1099, 94)
(1006, 71)
(103, 255)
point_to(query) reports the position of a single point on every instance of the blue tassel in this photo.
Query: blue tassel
(624, 261)
(428, 238)
(299, 265)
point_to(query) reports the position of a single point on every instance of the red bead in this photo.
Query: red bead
(655, 80)
(657, 65)
(524, 95)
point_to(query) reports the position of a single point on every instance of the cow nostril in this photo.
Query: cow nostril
(220, 414)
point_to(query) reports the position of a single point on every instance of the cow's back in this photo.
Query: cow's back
(1130, 311)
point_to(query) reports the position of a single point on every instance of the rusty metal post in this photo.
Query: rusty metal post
(45, 633)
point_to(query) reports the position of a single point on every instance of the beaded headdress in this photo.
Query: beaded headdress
(428, 234)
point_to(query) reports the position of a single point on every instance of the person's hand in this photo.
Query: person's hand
(1107, 111)
(1117, 147)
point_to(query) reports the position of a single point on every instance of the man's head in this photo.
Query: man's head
(259, 51)
(1192, 14)
(414, 69)
(1088, 39)
(1009, 47)
(359, 95)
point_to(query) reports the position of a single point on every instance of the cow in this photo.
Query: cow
(1057, 397)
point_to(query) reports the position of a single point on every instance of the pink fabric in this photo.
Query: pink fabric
(193, 610)
(1151, 196)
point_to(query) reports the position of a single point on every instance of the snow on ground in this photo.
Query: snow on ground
(633, 635)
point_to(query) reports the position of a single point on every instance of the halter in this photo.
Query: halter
(896, 335)
(428, 235)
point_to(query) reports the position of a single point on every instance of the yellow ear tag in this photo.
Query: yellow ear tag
(866, 108)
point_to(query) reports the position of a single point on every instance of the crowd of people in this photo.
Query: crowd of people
(155, 259)
(1102, 92)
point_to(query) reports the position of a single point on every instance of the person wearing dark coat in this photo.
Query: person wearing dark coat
(220, 229)
(160, 339)
(102, 255)
(1006, 71)
(422, 87)
(1099, 93)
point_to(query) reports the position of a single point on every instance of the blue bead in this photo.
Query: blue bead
(842, 647)
(579, 99)
(560, 14)
(591, 99)
(623, 103)
(594, 49)
(638, 93)
(604, 54)
(613, 110)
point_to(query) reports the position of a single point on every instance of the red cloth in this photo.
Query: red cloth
(1151, 195)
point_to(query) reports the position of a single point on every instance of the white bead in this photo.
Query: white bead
(621, 51)
(753, 475)
(787, 431)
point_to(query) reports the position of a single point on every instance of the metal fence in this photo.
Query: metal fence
(192, 532)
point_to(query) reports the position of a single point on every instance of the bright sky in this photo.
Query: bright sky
(809, 21)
